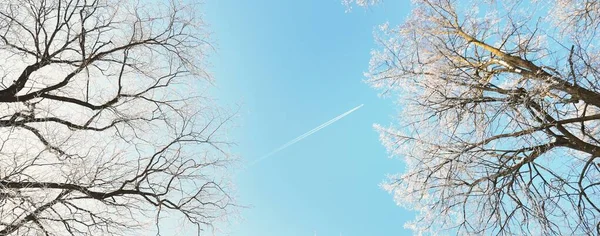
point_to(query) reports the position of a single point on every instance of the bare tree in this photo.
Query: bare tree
(500, 115)
(103, 126)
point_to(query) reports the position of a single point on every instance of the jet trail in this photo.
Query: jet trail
(303, 136)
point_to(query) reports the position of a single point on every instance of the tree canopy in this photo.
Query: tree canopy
(104, 125)
(499, 120)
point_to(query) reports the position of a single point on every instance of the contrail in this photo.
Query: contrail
(303, 136)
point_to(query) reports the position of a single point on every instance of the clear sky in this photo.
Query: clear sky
(291, 66)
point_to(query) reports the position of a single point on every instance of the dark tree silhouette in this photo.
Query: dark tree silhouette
(103, 126)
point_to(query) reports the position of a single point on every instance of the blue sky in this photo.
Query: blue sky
(291, 66)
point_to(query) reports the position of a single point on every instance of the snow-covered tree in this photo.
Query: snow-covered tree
(499, 120)
(104, 128)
